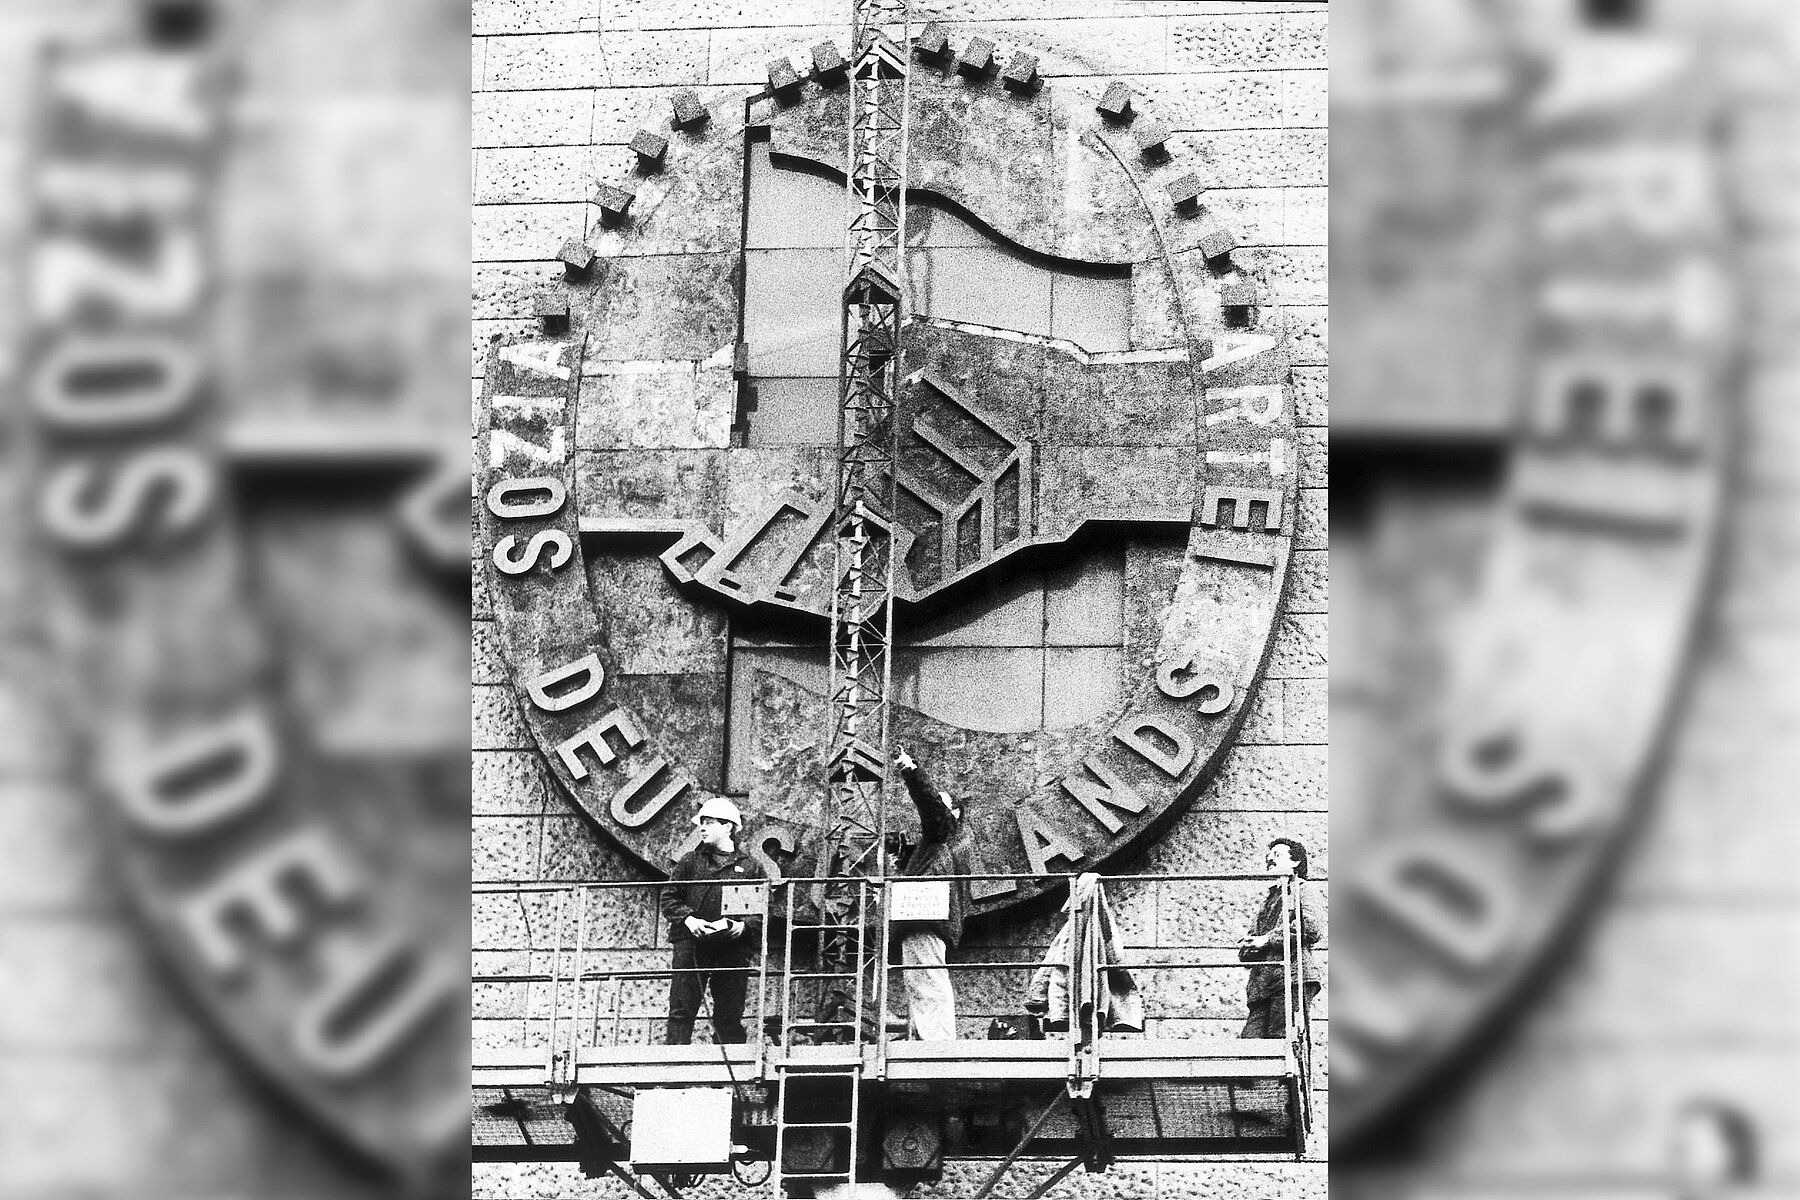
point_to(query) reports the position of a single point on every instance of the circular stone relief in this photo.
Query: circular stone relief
(1097, 447)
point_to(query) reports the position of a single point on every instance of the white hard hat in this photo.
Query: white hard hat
(722, 809)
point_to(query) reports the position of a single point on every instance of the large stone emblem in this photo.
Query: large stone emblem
(1509, 764)
(627, 489)
(292, 866)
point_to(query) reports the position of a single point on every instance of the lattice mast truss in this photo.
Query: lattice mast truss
(862, 611)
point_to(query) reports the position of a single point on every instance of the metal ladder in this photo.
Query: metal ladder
(817, 1085)
(851, 1076)
(859, 954)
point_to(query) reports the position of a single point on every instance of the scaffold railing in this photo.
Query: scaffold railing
(574, 1046)
(586, 966)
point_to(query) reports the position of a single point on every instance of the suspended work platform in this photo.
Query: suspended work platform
(813, 1102)
(1162, 1097)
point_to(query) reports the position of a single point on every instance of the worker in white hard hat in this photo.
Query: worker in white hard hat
(709, 949)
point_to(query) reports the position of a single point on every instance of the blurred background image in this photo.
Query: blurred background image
(234, 627)
(1563, 725)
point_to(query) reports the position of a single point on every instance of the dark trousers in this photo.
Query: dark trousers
(729, 976)
(1268, 1016)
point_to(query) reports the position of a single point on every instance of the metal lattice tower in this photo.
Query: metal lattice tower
(862, 621)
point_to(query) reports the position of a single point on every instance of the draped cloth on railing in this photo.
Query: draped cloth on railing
(1083, 982)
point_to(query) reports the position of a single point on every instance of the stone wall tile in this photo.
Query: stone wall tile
(1275, 778)
(1309, 583)
(1289, 275)
(1312, 528)
(664, 58)
(511, 232)
(1265, 723)
(1254, 157)
(740, 57)
(1306, 217)
(1312, 404)
(1302, 647)
(1225, 842)
(531, 118)
(495, 723)
(1217, 100)
(534, 16)
(1306, 715)
(511, 783)
(1314, 445)
(485, 662)
(541, 60)
(545, 174)
(505, 290)
(1257, 215)
(718, 14)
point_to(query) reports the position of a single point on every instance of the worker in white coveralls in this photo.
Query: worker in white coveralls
(925, 945)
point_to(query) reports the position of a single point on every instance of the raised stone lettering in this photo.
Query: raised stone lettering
(92, 505)
(1248, 346)
(531, 404)
(501, 503)
(1273, 460)
(1259, 404)
(260, 894)
(593, 738)
(503, 442)
(156, 94)
(1109, 791)
(644, 813)
(783, 833)
(68, 274)
(113, 382)
(545, 693)
(1691, 302)
(1443, 897)
(1612, 402)
(201, 779)
(1189, 677)
(1242, 501)
(1044, 841)
(508, 563)
(1635, 190)
(541, 358)
(1610, 497)
(1497, 770)
(1172, 761)
(115, 191)
(374, 997)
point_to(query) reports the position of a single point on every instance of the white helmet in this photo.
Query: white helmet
(722, 809)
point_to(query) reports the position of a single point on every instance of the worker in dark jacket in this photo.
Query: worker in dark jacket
(707, 947)
(924, 945)
(1267, 998)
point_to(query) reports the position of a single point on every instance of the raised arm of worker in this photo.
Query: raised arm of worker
(936, 822)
